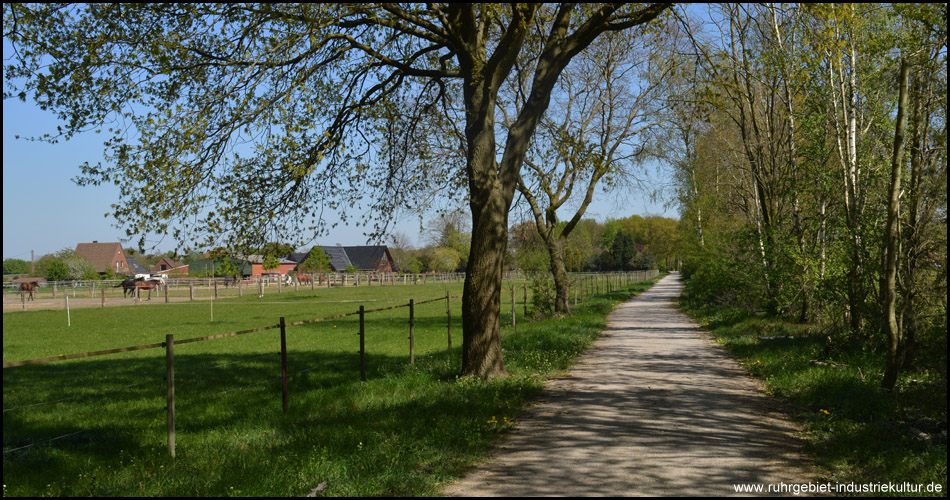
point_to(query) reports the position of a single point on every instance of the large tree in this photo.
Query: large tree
(236, 120)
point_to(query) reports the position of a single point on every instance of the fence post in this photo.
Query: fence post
(170, 382)
(448, 311)
(191, 291)
(525, 302)
(68, 321)
(283, 361)
(412, 332)
(513, 323)
(23, 299)
(103, 297)
(362, 347)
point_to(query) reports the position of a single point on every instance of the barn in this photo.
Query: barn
(370, 258)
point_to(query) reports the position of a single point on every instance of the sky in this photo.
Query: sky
(44, 211)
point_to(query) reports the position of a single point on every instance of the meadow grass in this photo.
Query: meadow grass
(405, 431)
(856, 431)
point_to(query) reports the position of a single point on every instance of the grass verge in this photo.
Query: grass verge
(856, 432)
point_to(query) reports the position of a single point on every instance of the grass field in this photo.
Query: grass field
(96, 426)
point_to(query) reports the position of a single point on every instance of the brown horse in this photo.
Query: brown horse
(29, 287)
(304, 278)
(145, 285)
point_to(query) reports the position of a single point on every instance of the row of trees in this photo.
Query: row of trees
(809, 143)
(627, 244)
(58, 266)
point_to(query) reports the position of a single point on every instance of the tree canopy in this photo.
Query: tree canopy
(243, 122)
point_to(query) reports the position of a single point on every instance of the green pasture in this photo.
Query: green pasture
(97, 426)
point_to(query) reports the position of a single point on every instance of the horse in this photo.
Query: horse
(128, 286)
(29, 287)
(304, 278)
(146, 285)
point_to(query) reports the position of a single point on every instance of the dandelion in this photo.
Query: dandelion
(826, 412)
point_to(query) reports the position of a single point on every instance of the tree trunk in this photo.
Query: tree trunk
(559, 272)
(891, 326)
(481, 299)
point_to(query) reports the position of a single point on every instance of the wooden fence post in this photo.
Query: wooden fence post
(103, 297)
(448, 312)
(513, 323)
(362, 347)
(525, 301)
(191, 291)
(412, 332)
(283, 361)
(170, 382)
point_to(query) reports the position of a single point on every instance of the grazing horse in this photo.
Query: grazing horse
(29, 287)
(304, 278)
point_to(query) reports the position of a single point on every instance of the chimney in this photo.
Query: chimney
(95, 241)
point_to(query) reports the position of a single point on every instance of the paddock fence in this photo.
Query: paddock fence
(586, 286)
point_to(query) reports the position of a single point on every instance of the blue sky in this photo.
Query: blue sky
(44, 211)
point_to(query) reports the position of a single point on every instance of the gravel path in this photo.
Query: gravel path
(654, 408)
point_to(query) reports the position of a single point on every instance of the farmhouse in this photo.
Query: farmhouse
(170, 267)
(105, 256)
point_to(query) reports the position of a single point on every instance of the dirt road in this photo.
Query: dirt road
(653, 408)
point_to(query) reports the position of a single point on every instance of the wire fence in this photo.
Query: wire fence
(587, 287)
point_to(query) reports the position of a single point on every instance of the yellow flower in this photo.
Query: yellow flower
(824, 411)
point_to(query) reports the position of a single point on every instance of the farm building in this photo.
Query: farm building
(105, 256)
(204, 267)
(170, 267)
(361, 258)
(257, 265)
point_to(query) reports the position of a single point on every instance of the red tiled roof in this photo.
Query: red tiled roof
(103, 255)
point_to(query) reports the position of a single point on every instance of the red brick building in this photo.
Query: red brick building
(105, 256)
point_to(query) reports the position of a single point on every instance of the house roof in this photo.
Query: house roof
(259, 259)
(135, 267)
(102, 255)
(338, 257)
(367, 258)
(298, 257)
